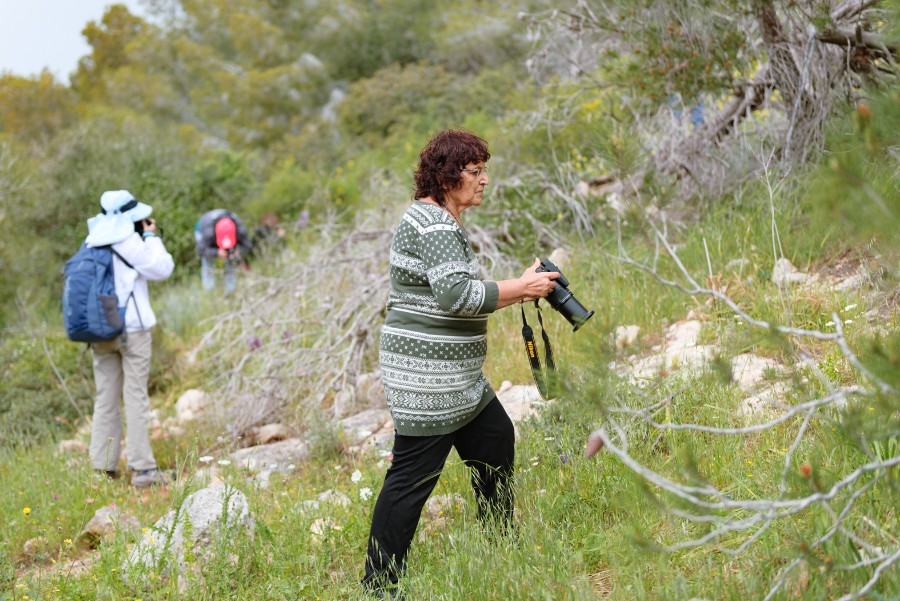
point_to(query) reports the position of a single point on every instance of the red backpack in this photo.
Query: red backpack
(226, 233)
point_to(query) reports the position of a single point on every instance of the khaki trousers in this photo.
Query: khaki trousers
(121, 371)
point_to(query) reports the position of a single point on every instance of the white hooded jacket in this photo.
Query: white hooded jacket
(149, 261)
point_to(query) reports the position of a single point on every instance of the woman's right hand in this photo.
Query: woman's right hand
(537, 284)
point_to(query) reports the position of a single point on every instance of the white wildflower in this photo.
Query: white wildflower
(291, 467)
(224, 462)
(830, 324)
(848, 321)
(365, 493)
(356, 476)
(849, 307)
(549, 438)
(205, 459)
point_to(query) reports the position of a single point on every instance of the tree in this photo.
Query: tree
(34, 109)
(796, 60)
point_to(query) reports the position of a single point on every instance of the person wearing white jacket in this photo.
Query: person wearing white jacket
(122, 365)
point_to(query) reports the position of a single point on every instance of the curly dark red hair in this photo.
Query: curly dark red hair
(442, 160)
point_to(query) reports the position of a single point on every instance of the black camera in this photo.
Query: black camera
(563, 300)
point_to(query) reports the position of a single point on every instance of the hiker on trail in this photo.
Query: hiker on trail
(433, 347)
(122, 365)
(221, 237)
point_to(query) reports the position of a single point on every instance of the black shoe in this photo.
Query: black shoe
(110, 474)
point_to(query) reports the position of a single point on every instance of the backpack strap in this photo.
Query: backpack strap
(121, 258)
(130, 296)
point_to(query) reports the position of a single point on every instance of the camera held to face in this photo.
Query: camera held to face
(563, 300)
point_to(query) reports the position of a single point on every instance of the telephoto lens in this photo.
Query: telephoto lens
(563, 300)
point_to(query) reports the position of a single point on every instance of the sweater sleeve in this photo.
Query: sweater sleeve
(452, 276)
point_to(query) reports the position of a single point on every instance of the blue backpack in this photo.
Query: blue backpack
(91, 308)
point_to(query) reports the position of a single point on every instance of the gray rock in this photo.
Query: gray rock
(357, 428)
(626, 336)
(36, 546)
(277, 456)
(186, 538)
(784, 272)
(190, 405)
(104, 525)
(267, 434)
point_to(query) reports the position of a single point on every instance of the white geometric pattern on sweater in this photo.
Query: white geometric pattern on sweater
(431, 367)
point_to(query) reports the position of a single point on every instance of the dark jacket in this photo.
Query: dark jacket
(206, 233)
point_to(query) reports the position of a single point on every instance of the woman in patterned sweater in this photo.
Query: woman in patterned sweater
(433, 346)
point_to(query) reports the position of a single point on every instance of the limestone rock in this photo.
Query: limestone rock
(267, 434)
(436, 512)
(191, 404)
(277, 456)
(368, 393)
(104, 525)
(187, 537)
(357, 428)
(749, 370)
(36, 546)
(680, 351)
(520, 401)
(626, 336)
(560, 257)
(784, 272)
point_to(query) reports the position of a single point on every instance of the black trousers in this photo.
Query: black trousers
(486, 445)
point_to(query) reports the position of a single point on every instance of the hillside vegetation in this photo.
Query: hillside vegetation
(719, 178)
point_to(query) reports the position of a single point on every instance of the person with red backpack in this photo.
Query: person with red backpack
(122, 363)
(221, 236)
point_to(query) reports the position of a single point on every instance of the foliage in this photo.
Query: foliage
(33, 110)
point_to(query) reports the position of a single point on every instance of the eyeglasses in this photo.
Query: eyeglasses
(476, 172)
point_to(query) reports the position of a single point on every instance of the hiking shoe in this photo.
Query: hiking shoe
(154, 477)
(110, 474)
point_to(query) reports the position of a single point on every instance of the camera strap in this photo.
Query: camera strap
(546, 382)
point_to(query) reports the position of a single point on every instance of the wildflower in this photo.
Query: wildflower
(89, 500)
(145, 530)
(356, 476)
(205, 459)
(830, 324)
(68, 541)
(549, 438)
(365, 493)
(26, 510)
(223, 462)
(291, 467)
(848, 321)
(849, 307)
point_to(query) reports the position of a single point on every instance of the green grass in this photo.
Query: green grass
(587, 528)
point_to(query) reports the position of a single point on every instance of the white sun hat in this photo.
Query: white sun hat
(120, 210)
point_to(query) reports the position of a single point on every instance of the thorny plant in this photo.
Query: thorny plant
(729, 517)
(299, 338)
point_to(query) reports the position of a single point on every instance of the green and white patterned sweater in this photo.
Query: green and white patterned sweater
(434, 339)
